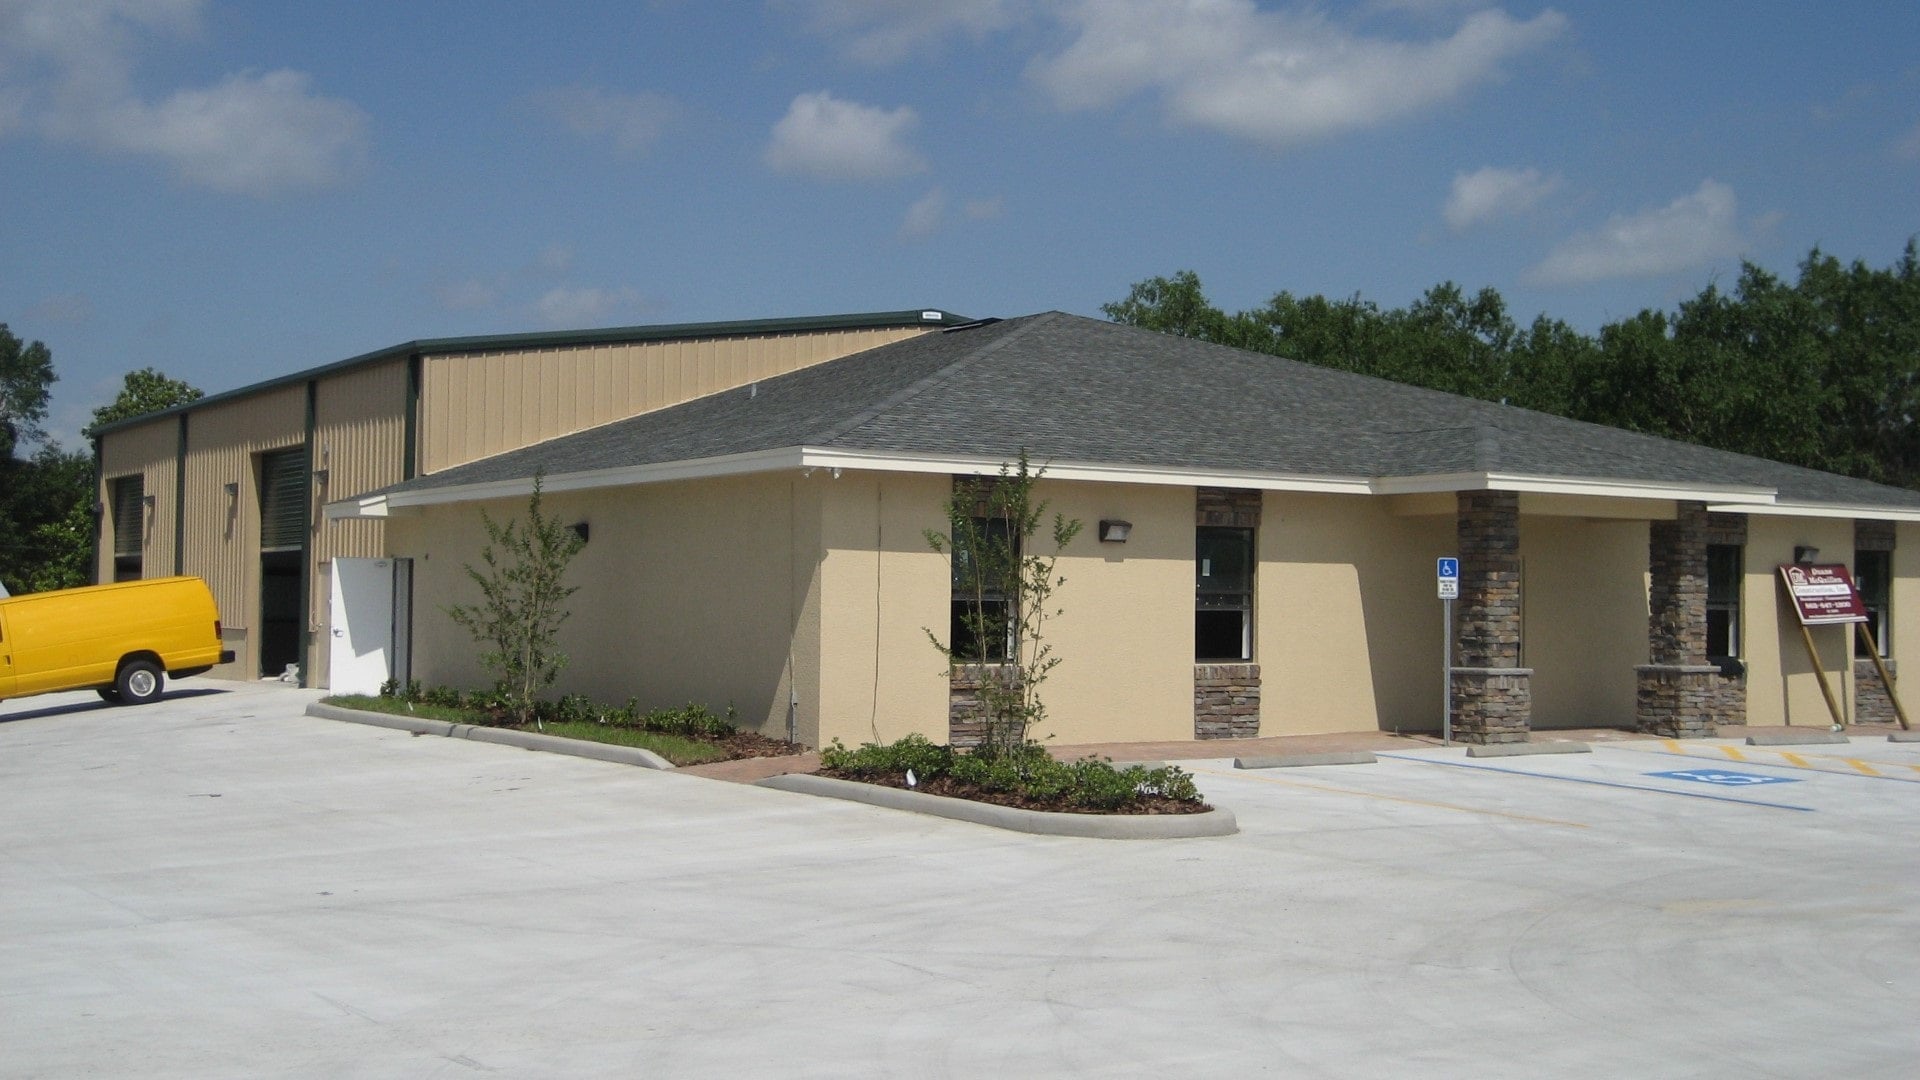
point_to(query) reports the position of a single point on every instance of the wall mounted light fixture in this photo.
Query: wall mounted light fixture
(580, 530)
(1804, 554)
(1114, 531)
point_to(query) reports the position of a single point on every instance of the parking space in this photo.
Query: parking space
(221, 886)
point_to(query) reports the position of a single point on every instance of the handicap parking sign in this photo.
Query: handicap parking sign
(1724, 777)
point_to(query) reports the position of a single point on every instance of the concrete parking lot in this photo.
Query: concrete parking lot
(220, 886)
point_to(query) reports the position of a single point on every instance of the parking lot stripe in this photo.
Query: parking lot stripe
(1733, 752)
(1824, 763)
(1393, 798)
(1600, 783)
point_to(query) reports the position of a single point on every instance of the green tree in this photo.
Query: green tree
(1822, 372)
(144, 391)
(46, 521)
(523, 603)
(1007, 589)
(26, 378)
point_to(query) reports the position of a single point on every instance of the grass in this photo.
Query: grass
(680, 751)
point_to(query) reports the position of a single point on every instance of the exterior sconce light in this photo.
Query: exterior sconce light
(1114, 531)
(233, 492)
(579, 529)
(148, 501)
(319, 478)
(1803, 554)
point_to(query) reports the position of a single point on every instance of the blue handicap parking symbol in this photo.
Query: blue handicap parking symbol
(1724, 777)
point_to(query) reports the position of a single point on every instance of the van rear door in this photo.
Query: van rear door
(6, 659)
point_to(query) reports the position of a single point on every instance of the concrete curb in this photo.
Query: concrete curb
(525, 740)
(1289, 761)
(1521, 749)
(1797, 738)
(1904, 736)
(1215, 822)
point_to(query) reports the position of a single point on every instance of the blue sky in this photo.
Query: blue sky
(230, 191)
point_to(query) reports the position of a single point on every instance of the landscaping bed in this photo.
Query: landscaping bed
(1024, 777)
(692, 735)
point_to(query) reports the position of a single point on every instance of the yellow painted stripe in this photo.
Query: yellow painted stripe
(1795, 759)
(1243, 775)
(1733, 752)
(1862, 766)
(1675, 746)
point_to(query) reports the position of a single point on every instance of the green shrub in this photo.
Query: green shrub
(1024, 769)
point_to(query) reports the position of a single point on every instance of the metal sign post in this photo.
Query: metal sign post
(1448, 572)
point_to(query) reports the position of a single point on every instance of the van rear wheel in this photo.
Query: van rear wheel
(139, 682)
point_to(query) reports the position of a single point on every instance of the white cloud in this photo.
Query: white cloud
(1688, 232)
(634, 122)
(579, 307)
(1908, 145)
(66, 74)
(925, 216)
(985, 209)
(1489, 193)
(1269, 76)
(889, 31)
(829, 139)
(473, 294)
(63, 308)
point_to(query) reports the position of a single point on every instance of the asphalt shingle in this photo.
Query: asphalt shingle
(1067, 388)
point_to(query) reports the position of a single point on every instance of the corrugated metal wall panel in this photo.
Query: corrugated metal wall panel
(359, 440)
(222, 530)
(475, 405)
(149, 451)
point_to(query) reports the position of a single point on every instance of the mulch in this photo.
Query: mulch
(952, 789)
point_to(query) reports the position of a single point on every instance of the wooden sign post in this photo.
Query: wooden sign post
(1823, 595)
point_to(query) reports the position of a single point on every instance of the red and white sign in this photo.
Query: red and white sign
(1823, 594)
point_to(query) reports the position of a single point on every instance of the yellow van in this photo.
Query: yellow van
(121, 639)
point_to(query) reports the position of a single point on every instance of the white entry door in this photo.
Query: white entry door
(370, 617)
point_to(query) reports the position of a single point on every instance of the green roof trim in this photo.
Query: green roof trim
(616, 335)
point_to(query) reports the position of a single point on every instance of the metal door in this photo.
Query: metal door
(369, 631)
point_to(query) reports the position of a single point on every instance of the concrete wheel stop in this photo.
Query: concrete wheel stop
(1215, 822)
(525, 740)
(1522, 749)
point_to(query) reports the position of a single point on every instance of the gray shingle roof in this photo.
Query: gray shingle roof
(1072, 389)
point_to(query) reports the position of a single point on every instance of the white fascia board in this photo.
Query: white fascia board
(366, 506)
(625, 476)
(1565, 485)
(1817, 510)
(881, 461)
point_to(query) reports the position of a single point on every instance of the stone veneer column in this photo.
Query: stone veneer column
(1492, 694)
(1678, 689)
(1226, 697)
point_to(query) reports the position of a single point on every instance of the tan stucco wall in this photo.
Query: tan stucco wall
(1583, 597)
(1125, 635)
(687, 593)
(881, 588)
(1781, 685)
(1903, 621)
(1348, 620)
